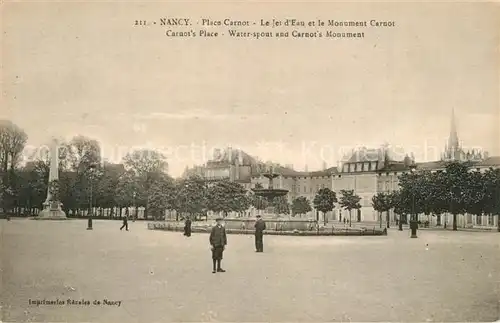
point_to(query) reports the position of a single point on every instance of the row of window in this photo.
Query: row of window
(297, 189)
(359, 167)
(300, 189)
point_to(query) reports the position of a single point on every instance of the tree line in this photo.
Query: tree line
(86, 183)
(141, 180)
(457, 189)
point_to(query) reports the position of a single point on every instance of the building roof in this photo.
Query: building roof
(431, 165)
(365, 155)
(382, 154)
(393, 167)
(230, 156)
(326, 172)
(217, 164)
(490, 161)
(288, 172)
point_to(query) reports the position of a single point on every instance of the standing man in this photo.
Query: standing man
(187, 227)
(260, 226)
(218, 242)
(125, 223)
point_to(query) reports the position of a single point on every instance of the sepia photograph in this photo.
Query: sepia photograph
(249, 161)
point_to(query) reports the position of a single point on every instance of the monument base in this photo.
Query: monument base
(48, 214)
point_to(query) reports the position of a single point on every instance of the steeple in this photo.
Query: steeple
(453, 143)
(452, 150)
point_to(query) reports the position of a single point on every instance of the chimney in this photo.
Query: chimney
(407, 161)
(325, 165)
(237, 169)
(217, 154)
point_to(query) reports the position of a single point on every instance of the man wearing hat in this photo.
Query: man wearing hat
(218, 242)
(260, 226)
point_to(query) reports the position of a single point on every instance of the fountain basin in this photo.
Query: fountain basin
(286, 231)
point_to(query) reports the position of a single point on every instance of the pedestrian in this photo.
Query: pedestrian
(125, 223)
(340, 220)
(218, 242)
(187, 227)
(344, 221)
(260, 226)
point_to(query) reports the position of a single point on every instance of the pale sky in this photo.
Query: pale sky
(76, 68)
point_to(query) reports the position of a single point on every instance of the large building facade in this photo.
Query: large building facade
(365, 171)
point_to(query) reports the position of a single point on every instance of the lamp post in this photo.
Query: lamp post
(91, 173)
(414, 220)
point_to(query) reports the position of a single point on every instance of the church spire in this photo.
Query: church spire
(453, 139)
(453, 147)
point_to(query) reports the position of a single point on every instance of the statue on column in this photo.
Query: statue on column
(52, 206)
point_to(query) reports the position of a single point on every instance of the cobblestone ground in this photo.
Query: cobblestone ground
(163, 276)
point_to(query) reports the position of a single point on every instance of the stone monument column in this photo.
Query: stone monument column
(52, 208)
(54, 167)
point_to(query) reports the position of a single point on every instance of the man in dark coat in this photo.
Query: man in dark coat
(187, 227)
(125, 223)
(260, 226)
(218, 242)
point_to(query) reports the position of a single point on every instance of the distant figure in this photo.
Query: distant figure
(125, 223)
(340, 219)
(344, 220)
(260, 226)
(218, 242)
(187, 227)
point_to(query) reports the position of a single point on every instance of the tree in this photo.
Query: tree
(476, 193)
(324, 201)
(456, 176)
(12, 142)
(492, 199)
(162, 196)
(149, 166)
(191, 195)
(349, 201)
(145, 162)
(301, 205)
(438, 195)
(258, 202)
(391, 203)
(81, 153)
(280, 205)
(32, 186)
(106, 186)
(2, 191)
(380, 203)
(410, 193)
(127, 190)
(225, 196)
(72, 192)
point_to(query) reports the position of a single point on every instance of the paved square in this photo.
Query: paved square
(163, 276)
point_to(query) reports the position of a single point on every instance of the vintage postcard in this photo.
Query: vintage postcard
(249, 161)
